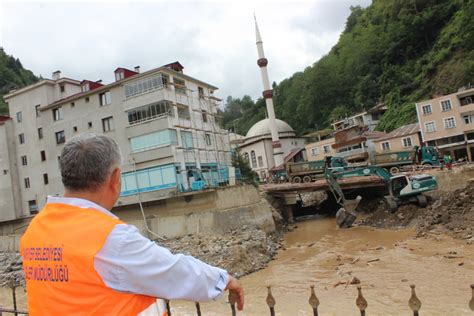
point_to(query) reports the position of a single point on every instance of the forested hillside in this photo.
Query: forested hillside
(12, 76)
(395, 52)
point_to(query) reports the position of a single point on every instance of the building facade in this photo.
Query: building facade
(321, 149)
(403, 138)
(369, 118)
(447, 122)
(163, 120)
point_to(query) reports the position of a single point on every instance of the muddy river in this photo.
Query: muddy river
(385, 261)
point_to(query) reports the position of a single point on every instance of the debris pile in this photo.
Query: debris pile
(449, 212)
(452, 212)
(11, 273)
(239, 251)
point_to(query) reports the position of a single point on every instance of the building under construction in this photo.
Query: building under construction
(163, 120)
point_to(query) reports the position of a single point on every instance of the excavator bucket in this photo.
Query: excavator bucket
(346, 215)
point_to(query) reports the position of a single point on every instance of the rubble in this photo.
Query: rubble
(11, 273)
(447, 212)
(239, 251)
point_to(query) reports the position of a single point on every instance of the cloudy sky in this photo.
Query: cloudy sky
(213, 40)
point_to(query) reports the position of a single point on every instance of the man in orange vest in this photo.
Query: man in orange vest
(80, 259)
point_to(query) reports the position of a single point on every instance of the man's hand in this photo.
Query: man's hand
(236, 290)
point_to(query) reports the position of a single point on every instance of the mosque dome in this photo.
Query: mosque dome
(262, 128)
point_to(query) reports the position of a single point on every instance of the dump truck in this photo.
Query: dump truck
(394, 161)
(308, 171)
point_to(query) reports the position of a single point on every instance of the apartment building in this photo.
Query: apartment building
(320, 149)
(369, 118)
(163, 120)
(447, 122)
(403, 138)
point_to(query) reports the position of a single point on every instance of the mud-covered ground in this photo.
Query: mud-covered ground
(450, 212)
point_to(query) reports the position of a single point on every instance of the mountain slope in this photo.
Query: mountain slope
(395, 52)
(12, 76)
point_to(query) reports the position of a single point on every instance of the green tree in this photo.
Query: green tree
(248, 175)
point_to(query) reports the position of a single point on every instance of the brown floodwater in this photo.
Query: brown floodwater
(318, 253)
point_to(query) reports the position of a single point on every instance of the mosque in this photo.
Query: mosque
(270, 143)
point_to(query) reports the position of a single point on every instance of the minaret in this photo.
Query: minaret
(268, 95)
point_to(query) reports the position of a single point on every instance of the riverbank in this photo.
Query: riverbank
(450, 209)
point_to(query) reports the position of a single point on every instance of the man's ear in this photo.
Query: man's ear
(115, 178)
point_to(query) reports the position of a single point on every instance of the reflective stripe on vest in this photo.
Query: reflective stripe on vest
(58, 251)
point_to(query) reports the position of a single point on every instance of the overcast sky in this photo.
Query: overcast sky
(214, 41)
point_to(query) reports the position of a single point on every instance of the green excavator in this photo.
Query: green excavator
(401, 189)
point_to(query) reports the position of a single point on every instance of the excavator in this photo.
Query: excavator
(401, 189)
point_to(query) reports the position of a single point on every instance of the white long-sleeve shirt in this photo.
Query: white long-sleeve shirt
(129, 262)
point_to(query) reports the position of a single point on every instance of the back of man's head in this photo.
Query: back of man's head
(87, 160)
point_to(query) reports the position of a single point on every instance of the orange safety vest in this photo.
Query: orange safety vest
(58, 251)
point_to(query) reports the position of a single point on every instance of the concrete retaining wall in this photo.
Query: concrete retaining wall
(213, 211)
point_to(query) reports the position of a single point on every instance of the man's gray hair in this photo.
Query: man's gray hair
(86, 161)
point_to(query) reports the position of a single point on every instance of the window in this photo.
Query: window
(446, 105)
(149, 112)
(27, 183)
(89, 124)
(58, 114)
(37, 110)
(21, 138)
(179, 85)
(119, 75)
(73, 104)
(315, 151)
(45, 178)
(406, 142)
(449, 122)
(40, 133)
(208, 139)
(260, 161)
(327, 149)
(105, 98)
(187, 139)
(201, 92)
(468, 119)
(430, 127)
(43, 155)
(19, 117)
(24, 160)
(87, 99)
(183, 111)
(150, 179)
(33, 207)
(62, 88)
(426, 109)
(154, 140)
(204, 116)
(145, 85)
(60, 137)
(385, 146)
(246, 156)
(74, 129)
(108, 124)
(467, 100)
(254, 159)
(85, 87)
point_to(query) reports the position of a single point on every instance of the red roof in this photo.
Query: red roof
(291, 154)
(176, 66)
(4, 118)
(126, 72)
(92, 84)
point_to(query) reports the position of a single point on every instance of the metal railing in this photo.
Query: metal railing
(414, 303)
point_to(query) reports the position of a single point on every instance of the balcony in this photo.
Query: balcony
(148, 126)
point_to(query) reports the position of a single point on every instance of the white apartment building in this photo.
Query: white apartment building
(163, 120)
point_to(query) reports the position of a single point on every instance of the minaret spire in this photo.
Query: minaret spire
(262, 62)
